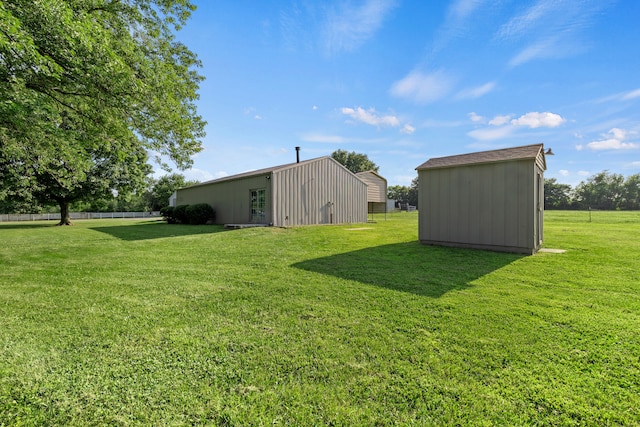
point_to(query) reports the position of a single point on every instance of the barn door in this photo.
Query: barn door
(258, 205)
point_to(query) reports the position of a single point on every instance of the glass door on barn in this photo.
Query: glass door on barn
(258, 205)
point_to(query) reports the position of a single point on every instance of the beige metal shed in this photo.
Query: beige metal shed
(376, 191)
(487, 200)
(316, 191)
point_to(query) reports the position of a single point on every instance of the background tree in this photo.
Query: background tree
(404, 195)
(603, 190)
(164, 187)
(355, 162)
(399, 193)
(412, 198)
(87, 89)
(556, 195)
(631, 193)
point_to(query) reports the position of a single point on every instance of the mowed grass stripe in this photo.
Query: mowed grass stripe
(138, 322)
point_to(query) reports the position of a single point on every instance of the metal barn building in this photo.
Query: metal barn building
(316, 191)
(488, 200)
(376, 191)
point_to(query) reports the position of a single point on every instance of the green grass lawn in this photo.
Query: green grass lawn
(136, 322)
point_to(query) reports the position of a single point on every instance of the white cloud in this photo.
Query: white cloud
(526, 21)
(584, 173)
(632, 165)
(348, 27)
(200, 175)
(563, 172)
(488, 134)
(545, 48)
(251, 111)
(324, 138)
(475, 118)
(618, 133)
(370, 117)
(503, 126)
(631, 95)
(614, 140)
(500, 120)
(314, 108)
(476, 92)
(535, 120)
(457, 21)
(579, 147)
(612, 144)
(624, 96)
(551, 28)
(408, 129)
(422, 88)
(461, 9)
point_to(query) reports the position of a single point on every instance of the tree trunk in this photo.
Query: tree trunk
(64, 212)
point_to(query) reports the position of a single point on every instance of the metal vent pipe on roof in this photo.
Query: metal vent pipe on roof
(297, 154)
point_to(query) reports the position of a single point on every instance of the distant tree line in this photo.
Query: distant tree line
(403, 194)
(154, 196)
(604, 191)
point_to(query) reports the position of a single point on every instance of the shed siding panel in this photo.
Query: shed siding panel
(525, 198)
(512, 203)
(462, 200)
(433, 225)
(454, 218)
(498, 207)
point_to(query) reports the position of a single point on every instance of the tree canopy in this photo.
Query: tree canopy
(355, 162)
(403, 194)
(164, 187)
(604, 190)
(88, 88)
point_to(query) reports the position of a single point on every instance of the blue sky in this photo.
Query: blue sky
(404, 81)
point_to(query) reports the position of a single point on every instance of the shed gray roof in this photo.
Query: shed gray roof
(492, 156)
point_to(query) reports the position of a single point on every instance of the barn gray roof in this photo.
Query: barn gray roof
(493, 156)
(264, 171)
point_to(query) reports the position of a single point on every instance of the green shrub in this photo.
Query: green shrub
(180, 214)
(168, 214)
(199, 213)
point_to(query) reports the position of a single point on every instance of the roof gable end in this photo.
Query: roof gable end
(492, 156)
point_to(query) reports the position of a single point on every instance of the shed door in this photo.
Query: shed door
(258, 205)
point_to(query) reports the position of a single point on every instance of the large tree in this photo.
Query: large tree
(355, 162)
(87, 89)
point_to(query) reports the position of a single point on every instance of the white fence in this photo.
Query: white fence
(77, 215)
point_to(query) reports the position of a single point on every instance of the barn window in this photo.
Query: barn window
(258, 202)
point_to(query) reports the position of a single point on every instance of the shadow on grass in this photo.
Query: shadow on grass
(411, 267)
(26, 225)
(157, 230)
